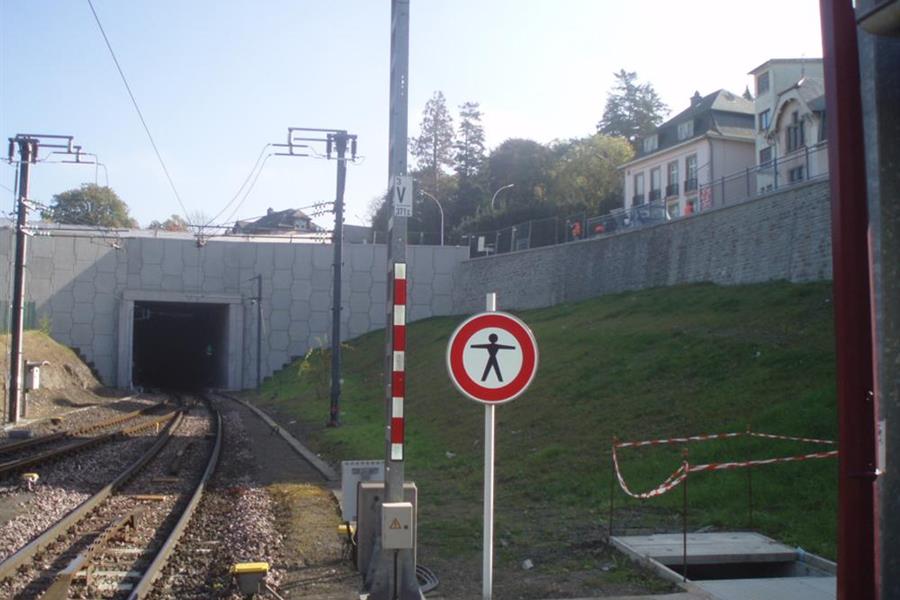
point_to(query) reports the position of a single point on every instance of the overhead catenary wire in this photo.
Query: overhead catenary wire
(137, 108)
(243, 185)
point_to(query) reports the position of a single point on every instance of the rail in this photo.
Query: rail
(12, 563)
(159, 561)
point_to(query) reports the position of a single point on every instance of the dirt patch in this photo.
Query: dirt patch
(67, 383)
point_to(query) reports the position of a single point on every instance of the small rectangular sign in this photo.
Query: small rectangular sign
(401, 196)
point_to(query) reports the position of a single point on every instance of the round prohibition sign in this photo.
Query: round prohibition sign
(492, 357)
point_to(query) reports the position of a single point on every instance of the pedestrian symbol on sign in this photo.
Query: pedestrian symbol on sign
(493, 347)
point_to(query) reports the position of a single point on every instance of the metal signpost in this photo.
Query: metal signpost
(492, 358)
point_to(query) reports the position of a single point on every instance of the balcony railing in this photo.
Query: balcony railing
(654, 195)
(637, 199)
(671, 190)
(690, 185)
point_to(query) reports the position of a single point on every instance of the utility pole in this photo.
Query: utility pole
(259, 315)
(391, 573)
(339, 140)
(336, 141)
(27, 146)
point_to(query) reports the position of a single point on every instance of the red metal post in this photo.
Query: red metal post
(857, 560)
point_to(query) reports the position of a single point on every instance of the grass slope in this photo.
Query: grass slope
(656, 363)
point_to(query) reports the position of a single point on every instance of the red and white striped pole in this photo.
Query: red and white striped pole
(398, 374)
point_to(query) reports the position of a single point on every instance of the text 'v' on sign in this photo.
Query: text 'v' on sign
(401, 196)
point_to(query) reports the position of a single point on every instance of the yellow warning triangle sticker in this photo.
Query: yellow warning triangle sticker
(395, 524)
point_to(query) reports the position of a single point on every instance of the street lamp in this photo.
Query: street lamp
(494, 197)
(441, 209)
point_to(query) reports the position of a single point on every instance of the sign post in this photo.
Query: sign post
(492, 358)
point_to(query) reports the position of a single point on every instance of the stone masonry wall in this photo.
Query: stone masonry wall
(785, 235)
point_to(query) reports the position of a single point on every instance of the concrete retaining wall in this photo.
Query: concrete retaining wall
(786, 235)
(83, 286)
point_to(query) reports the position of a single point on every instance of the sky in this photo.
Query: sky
(216, 80)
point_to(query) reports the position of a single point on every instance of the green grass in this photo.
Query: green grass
(656, 363)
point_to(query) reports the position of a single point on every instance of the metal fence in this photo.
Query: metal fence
(30, 316)
(808, 163)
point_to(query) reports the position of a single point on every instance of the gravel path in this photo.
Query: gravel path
(263, 504)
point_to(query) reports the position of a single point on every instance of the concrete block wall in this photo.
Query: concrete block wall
(82, 283)
(784, 235)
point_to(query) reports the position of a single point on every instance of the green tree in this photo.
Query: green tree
(632, 110)
(585, 175)
(469, 144)
(524, 163)
(89, 205)
(433, 148)
(173, 223)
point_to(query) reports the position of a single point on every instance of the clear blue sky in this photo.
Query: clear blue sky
(216, 80)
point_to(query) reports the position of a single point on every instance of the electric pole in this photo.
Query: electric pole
(391, 573)
(27, 146)
(336, 141)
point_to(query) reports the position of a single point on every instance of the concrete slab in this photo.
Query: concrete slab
(706, 548)
(782, 588)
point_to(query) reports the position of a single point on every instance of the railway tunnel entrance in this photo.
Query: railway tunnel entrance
(180, 345)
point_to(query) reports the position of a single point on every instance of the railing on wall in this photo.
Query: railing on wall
(809, 163)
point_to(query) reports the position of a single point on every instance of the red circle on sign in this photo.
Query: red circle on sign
(465, 332)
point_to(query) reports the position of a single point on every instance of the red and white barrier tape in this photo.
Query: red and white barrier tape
(676, 478)
(719, 436)
(765, 461)
(678, 440)
(671, 482)
(791, 438)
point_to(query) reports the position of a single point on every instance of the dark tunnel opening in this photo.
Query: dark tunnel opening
(180, 345)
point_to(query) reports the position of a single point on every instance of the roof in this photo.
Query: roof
(783, 61)
(720, 114)
(290, 220)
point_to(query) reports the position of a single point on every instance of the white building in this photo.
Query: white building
(677, 164)
(790, 122)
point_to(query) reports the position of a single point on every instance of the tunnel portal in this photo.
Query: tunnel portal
(180, 345)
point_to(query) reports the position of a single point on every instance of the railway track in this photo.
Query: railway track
(17, 456)
(115, 543)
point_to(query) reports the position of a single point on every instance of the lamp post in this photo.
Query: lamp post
(505, 187)
(441, 209)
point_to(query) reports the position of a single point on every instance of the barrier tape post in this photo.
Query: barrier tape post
(687, 470)
(750, 486)
(612, 484)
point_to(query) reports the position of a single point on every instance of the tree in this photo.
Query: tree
(433, 148)
(524, 163)
(173, 223)
(632, 109)
(585, 175)
(89, 205)
(469, 144)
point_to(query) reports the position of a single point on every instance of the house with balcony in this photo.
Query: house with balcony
(676, 164)
(790, 122)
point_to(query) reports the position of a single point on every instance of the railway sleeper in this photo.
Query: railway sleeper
(59, 589)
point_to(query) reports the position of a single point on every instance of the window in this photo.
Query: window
(651, 143)
(690, 175)
(685, 130)
(796, 174)
(655, 182)
(795, 139)
(762, 83)
(764, 119)
(638, 189)
(765, 155)
(672, 179)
